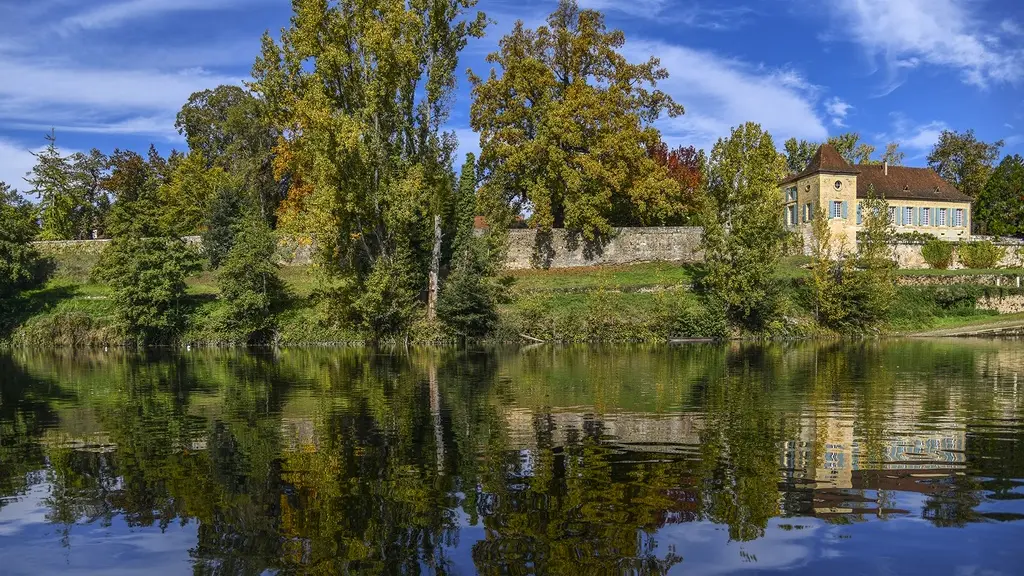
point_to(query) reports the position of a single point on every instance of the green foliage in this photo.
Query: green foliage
(469, 297)
(980, 254)
(221, 223)
(938, 253)
(851, 148)
(231, 129)
(470, 294)
(567, 127)
(19, 261)
(359, 91)
(51, 182)
(743, 232)
(914, 237)
(249, 285)
(148, 278)
(186, 198)
(135, 183)
(999, 208)
(799, 154)
(964, 161)
(875, 263)
(854, 292)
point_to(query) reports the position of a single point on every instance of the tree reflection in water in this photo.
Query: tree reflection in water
(548, 461)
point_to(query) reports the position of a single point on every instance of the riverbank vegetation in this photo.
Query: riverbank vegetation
(349, 146)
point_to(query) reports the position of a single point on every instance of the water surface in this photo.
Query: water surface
(889, 457)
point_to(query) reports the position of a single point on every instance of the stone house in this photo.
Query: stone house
(919, 200)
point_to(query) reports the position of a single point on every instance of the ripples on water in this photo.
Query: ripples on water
(893, 457)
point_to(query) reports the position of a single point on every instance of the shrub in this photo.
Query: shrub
(148, 277)
(19, 261)
(469, 298)
(249, 284)
(983, 254)
(938, 254)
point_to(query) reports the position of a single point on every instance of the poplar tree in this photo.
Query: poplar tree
(743, 226)
(359, 91)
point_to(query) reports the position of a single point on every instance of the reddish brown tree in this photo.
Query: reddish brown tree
(686, 166)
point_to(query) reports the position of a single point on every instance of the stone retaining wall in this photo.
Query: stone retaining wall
(560, 249)
(908, 255)
(1006, 304)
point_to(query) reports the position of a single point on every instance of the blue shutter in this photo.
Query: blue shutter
(844, 209)
(917, 216)
(860, 214)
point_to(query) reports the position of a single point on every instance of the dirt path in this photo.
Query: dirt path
(1012, 324)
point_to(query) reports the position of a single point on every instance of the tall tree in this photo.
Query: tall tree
(964, 161)
(685, 165)
(847, 145)
(893, 155)
(469, 297)
(743, 229)
(999, 208)
(87, 173)
(566, 126)
(359, 91)
(799, 154)
(232, 129)
(50, 180)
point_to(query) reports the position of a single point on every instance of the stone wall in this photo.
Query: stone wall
(908, 254)
(559, 249)
(1005, 304)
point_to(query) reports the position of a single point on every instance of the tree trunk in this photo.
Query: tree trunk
(435, 266)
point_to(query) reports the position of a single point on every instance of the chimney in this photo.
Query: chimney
(885, 167)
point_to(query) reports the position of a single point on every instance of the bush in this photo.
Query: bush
(249, 284)
(469, 297)
(19, 261)
(148, 277)
(938, 254)
(982, 254)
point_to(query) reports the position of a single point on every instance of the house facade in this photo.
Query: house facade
(919, 200)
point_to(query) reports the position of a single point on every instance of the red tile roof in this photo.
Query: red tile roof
(903, 183)
(827, 159)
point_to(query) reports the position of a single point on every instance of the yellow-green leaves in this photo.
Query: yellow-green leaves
(565, 128)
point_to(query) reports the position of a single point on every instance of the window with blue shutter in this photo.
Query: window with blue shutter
(860, 214)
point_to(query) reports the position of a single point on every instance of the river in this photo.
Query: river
(877, 457)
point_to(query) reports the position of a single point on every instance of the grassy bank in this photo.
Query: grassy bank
(644, 302)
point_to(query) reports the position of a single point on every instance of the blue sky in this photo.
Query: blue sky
(113, 73)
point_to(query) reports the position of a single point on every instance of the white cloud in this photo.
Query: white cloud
(837, 109)
(15, 161)
(1010, 27)
(114, 14)
(720, 94)
(916, 138)
(103, 100)
(693, 14)
(641, 8)
(944, 33)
